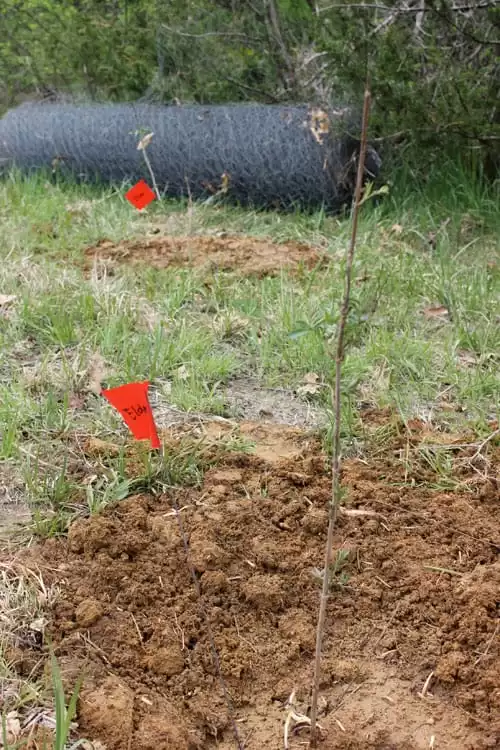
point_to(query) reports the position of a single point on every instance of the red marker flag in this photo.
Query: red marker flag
(132, 402)
(140, 195)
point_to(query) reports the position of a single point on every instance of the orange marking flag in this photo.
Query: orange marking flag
(140, 195)
(132, 402)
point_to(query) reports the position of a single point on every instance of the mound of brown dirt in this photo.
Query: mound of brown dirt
(417, 594)
(248, 256)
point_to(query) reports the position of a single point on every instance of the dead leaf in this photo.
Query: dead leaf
(38, 625)
(7, 299)
(96, 373)
(311, 384)
(225, 180)
(96, 447)
(76, 401)
(397, 229)
(230, 325)
(415, 425)
(145, 141)
(12, 729)
(466, 357)
(182, 373)
(432, 238)
(320, 124)
(436, 311)
(79, 208)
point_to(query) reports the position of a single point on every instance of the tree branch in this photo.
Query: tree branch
(278, 36)
(410, 11)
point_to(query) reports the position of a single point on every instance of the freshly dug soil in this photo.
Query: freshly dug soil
(415, 596)
(247, 256)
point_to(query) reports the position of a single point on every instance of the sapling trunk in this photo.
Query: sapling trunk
(336, 488)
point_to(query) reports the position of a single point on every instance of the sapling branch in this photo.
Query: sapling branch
(142, 146)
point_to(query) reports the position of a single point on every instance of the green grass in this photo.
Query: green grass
(190, 335)
(66, 333)
(63, 715)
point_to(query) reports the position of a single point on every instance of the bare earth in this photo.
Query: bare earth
(249, 256)
(129, 618)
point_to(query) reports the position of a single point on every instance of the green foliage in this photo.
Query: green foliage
(64, 714)
(434, 77)
(434, 73)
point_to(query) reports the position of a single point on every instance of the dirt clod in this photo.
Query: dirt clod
(205, 554)
(315, 520)
(107, 711)
(165, 661)
(165, 530)
(88, 612)
(163, 731)
(299, 627)
(265, 592)
(214, 582)
(449, 666)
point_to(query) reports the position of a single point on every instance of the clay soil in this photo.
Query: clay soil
(249, 256)
(417, 596)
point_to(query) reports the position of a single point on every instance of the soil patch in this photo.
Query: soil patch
(248, 256)
(249, 400)
(416, 596)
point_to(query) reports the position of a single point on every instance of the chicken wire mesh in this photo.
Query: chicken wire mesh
(261, 155)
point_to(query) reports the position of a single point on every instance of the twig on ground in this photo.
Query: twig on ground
(359, 512)
(437, 569)
(388, 624)
(426, 685)
(485, 442)
(460, 446)
(336, 489)
(180, 631)
(141, 640)
(488, 645)
(244, 640)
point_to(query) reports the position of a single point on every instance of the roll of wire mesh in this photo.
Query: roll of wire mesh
(267, 156)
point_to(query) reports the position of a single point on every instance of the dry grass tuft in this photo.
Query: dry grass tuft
(24, 603)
